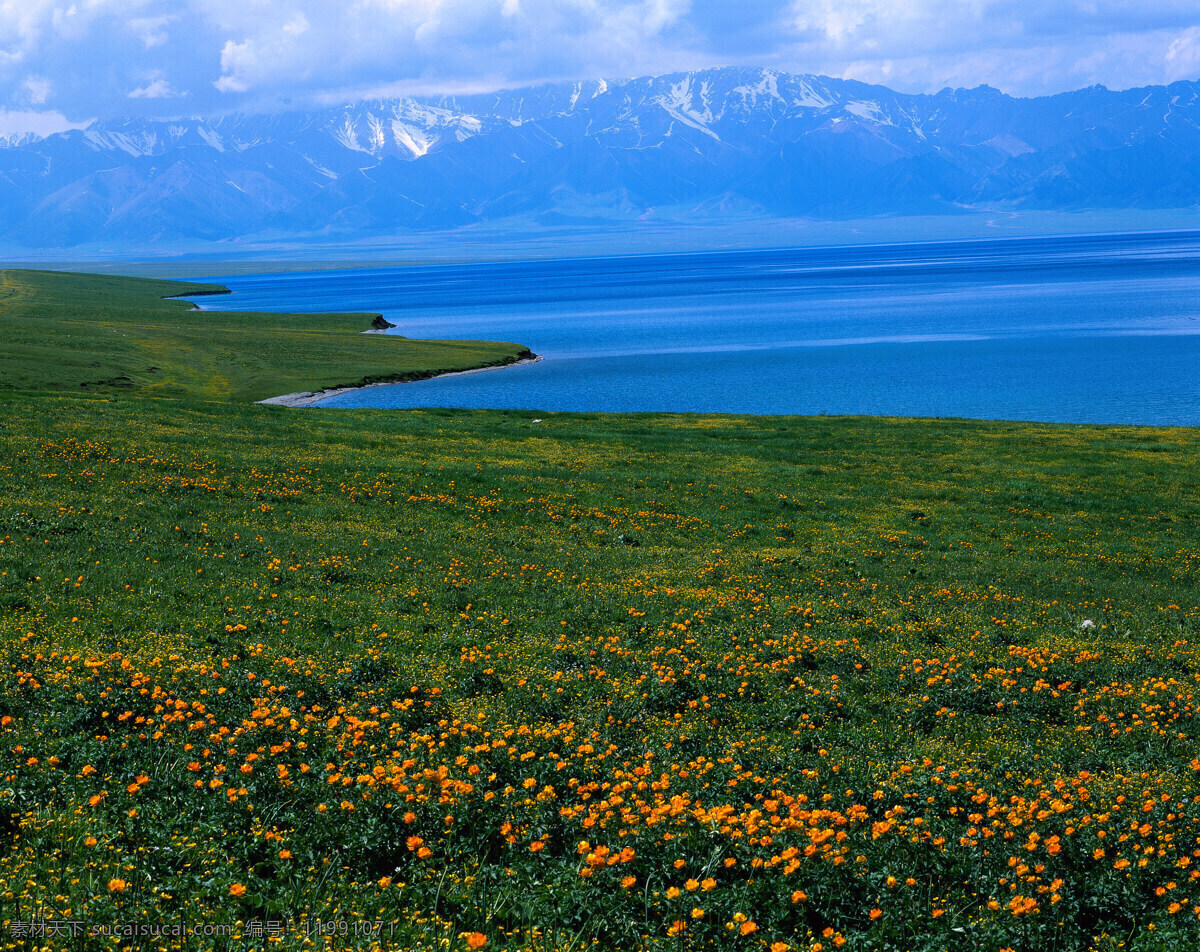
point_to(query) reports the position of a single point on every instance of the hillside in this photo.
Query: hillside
(707, 146)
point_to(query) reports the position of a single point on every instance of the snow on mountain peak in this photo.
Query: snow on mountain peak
(410, 137)
(13, 140)
(869, 111)
(767, 86)
(346, 135)
(376, 136)
(212, 138)
(637, 138)
(103, 140)
(809, 98)
(680, 106)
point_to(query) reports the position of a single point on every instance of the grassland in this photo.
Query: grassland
(452, 680)
(78, 332)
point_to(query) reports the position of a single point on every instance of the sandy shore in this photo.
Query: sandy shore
(308, 399)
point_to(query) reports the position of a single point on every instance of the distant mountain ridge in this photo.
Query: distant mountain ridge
(686, 146)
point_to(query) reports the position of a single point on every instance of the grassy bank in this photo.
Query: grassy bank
(446, 679)
(68, 332)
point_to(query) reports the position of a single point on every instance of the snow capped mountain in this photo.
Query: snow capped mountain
(10, 140)
(678, 147)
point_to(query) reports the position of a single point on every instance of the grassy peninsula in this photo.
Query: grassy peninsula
(101, 334)
(451, 680)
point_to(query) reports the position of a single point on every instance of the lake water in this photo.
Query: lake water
(1099, 329)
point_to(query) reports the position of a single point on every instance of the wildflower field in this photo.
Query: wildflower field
(318, 679)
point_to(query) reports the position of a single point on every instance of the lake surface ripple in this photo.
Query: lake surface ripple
(1095, 329)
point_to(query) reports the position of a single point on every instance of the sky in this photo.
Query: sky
(65, 63)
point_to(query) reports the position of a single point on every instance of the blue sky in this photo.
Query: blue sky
(64, 62)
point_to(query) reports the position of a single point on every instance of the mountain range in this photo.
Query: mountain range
(697, 146)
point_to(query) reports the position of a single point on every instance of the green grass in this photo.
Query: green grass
(619, 682)
(93, 333)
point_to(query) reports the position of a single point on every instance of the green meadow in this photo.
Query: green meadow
(85, 334)
(279, 679)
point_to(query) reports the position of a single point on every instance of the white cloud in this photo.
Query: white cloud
(277, 51)
(155, 89)
(1022, 48)
(271, 44)
(297, 26)
(37, 90)
(236, 58)
(16, 122)
(1183, 55)
(21, 24)
(31, 27)
(834, 21)
(152, 31)
(255, 53)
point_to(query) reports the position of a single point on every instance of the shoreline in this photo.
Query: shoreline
(309, 398)
(183, 297)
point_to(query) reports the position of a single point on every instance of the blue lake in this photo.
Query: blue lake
(1097, 329)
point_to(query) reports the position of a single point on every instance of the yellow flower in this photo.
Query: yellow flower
(116, 885)
(237, 889)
